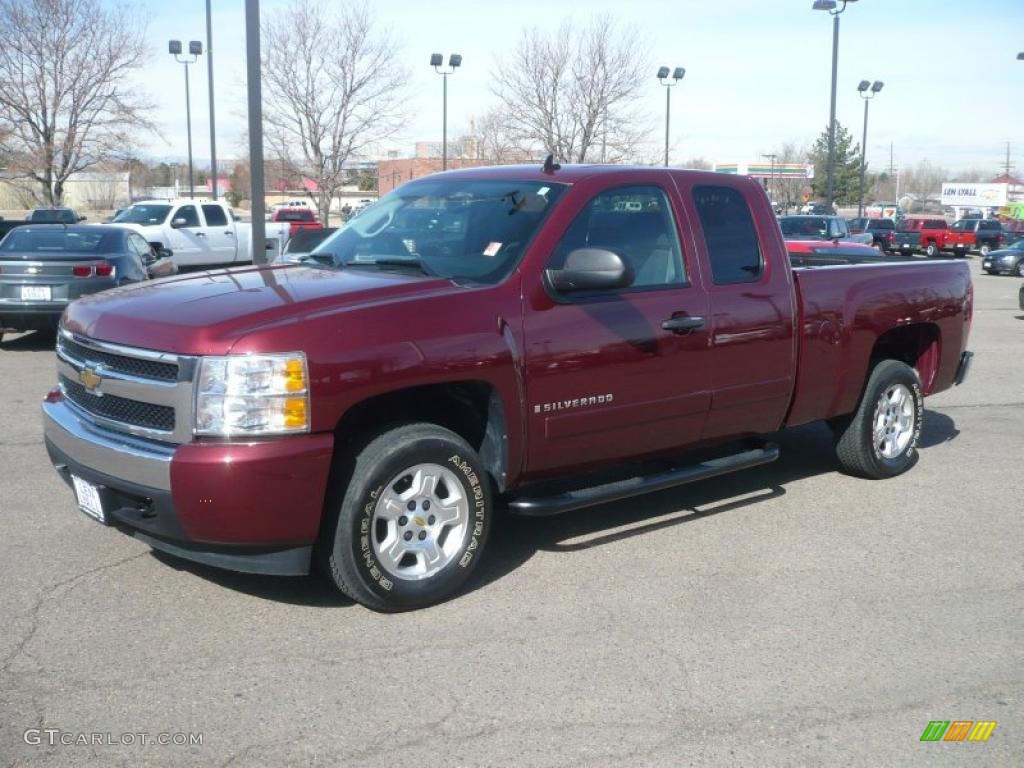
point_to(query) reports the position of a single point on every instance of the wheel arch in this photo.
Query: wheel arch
(470, 408)
(919, 345)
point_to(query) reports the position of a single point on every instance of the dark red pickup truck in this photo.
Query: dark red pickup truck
(524, 336)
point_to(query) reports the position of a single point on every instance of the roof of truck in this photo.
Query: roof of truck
(570, 174)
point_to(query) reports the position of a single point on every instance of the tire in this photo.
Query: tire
(892, 400)
(1020, 273)
(991, 271)
(985, 249)
(931, 250)
(412, 464)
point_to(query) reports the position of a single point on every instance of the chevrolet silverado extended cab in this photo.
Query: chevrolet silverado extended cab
(916, 234)
(200, 232)
(546, 339)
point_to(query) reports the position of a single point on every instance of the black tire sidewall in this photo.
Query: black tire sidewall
(352, 543)
(889, 374)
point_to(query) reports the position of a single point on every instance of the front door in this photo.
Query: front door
(187, 238)
(604, 379)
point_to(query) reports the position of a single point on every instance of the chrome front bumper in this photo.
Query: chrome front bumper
(139, 461)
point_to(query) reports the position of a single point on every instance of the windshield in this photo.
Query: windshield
(54, 239)
(53, 216)
(455, 228)
(143, 214)
(811, 227)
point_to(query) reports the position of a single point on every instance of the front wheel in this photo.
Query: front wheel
(880, 439)
(412, 522)
(1020, 268)
(985, 249)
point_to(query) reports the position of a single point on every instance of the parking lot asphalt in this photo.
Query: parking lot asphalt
(789, 615)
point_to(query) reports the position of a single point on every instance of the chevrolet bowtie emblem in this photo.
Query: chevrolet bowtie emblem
(89, 378)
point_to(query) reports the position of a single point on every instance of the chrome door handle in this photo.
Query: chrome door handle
(682, 324)
(229, 233)
(200, 234)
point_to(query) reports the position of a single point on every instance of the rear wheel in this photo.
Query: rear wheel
(985, 249)
(412, 523)
(931, 250)
(880, 439)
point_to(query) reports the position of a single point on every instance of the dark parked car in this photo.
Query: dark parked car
(43, 267)
(1005, 261)
(814, 228)
(54, 216)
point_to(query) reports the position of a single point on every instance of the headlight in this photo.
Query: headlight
(252, 395)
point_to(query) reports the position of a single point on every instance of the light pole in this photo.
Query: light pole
(195, 48)
(437, 61)
(677, 75)
(830, 6)
(209, 74)
(867, 91)
(771, 178)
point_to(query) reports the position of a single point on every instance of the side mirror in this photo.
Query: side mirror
(590, 269)
(835, 232)
(81, 218)
(179, 222)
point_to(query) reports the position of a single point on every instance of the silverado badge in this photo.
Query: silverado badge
(90, 378)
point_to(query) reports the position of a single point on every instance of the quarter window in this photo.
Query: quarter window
(729, 234)
(637, 224)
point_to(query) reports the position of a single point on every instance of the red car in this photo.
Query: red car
(298, 218)
(531, 336)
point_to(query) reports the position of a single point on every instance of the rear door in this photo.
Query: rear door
(752, 356)
(606, 375)
(220, 234)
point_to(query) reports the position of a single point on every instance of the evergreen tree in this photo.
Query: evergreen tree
(847, 167)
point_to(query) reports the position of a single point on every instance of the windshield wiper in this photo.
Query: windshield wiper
(320, 258)
(390, 261)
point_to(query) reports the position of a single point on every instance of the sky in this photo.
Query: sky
(758, 72)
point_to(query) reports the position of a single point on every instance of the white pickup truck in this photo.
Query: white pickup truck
(200, 232)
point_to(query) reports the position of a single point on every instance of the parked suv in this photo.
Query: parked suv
(814, 228)
(982, 235)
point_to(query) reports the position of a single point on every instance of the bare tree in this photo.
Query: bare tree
(332, 87)
(574, 92)
(64, 90)
(787, 189)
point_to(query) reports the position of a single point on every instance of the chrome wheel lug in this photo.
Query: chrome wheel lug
(403, 520)
(408, 535)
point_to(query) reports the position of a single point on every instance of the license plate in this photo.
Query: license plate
(986, 264)
(35, 293)
(88, 496)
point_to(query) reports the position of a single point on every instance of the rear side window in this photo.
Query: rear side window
(214, 216)
(884, 224)
(733, 247)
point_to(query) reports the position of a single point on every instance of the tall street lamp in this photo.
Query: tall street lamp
(830, 6)
(195, 48)
(867, 91)
(677, 75)
(209, 75)
(437, 61)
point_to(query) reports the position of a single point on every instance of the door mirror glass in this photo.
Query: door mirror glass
(590, 269)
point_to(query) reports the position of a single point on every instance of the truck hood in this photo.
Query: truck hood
(207, 312)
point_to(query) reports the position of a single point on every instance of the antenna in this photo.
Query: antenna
(550, 166)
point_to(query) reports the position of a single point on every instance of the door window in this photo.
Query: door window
(733, 248)
(189, 214)
(637, 224)
(215, 216)
(138, 246)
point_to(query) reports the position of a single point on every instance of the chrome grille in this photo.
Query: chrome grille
(133, 412)
(133, 366)
(137, 391)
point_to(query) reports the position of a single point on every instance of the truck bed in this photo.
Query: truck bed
(844, 311)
